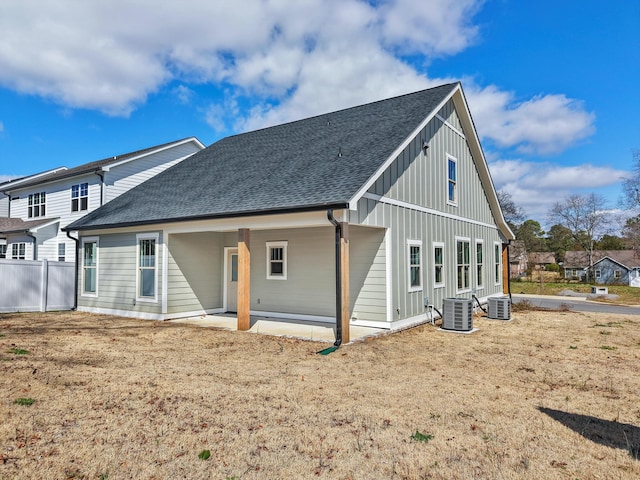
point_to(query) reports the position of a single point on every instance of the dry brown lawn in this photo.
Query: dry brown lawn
(548, 395)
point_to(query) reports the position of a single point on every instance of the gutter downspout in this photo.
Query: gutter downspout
(100, 173)
(75, 292)
(509, 274)
(338, 235)
(35, 243)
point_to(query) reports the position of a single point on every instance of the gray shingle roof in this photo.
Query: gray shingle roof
(84, 168)
(580, 259)
(309, 164)
(16, 225)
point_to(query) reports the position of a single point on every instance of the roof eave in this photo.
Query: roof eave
(248, 213)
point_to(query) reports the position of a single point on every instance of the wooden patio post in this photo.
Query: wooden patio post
(244, 279)
(505, 268)
(344, 272)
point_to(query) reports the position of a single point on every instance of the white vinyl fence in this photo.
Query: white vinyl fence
(36, 286)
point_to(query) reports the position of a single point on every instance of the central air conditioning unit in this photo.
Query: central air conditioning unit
(458, 314)
(499, 308)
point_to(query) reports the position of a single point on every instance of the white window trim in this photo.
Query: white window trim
(280, 244)
(497, 261)
(64, 251)
(597, 273)
(455, 201)
(147, 236)
(480, 286)
(95, 240)
(417, 288)
(18, 255)
(467, 240)
(79, 197)
(435, 245)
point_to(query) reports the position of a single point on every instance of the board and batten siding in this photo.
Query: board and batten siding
(122, 178)
(410, 199)
(117, 272)
(195, 272)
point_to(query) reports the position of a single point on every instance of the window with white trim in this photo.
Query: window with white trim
(36, 205)
(452, 180)
(438, 265)
(479, 264)
(277, 260)
(62, 248)
(598, 273)
(414, 262)
(617, 274)
(497, 258)
(18, 251)
(90, 266)
(147, 269)
(3, 250)
(463, 263)
(79, 197)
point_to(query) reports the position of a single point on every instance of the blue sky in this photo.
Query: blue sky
(553, 87)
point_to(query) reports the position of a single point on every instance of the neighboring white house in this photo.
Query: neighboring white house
(34, 209)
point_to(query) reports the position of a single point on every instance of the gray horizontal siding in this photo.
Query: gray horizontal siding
(117, 267)
(195, 272)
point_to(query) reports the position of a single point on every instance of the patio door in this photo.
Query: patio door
(232, 280)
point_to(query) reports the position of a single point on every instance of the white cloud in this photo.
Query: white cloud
(536, 186)
(293, 59)
(544, 124)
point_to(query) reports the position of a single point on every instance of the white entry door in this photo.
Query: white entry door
(232, 281)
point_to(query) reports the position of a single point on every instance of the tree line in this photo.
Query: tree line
(580, 222)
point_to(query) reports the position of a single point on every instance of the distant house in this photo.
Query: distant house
(34, 209)
(362, 216)
(620, 267)
(541, 260)
(518, 261)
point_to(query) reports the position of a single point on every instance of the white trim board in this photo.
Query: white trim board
(443, 120)
(411, 206)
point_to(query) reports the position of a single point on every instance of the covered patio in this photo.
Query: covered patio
(295, 328)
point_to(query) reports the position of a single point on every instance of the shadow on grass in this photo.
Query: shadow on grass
(604, 432)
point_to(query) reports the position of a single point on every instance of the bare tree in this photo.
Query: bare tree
(513, 214)
(587, 219)
(631, 185)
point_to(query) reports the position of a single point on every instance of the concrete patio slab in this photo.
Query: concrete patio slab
(303, 329)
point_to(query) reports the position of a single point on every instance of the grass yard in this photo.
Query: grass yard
(627, 295)
(551, 395)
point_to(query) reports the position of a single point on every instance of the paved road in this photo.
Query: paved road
(578, 304)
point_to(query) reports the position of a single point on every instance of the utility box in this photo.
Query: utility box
(600, 290)
(457, 314)
(499, 308)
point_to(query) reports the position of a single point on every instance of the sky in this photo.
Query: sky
(553, 86)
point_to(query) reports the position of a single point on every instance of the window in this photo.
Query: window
(438, 264)
(598, 273)
(79, 197)
(277, 260)
(18, 251)
(61, 251)
(463, 263)
(90, 266)
(3, 251)
(36, 205)
(452, 180)
(147, 267)
(617, 273)
(479, 264)
(497, 259)
(415, 265)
